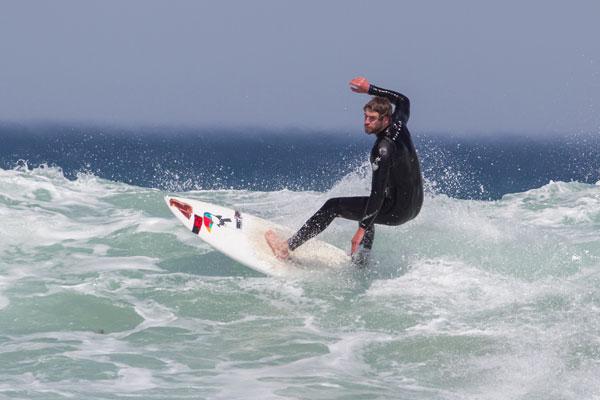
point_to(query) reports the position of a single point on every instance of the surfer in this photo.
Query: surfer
(396, 187)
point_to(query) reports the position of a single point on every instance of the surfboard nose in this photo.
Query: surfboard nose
(179, 204)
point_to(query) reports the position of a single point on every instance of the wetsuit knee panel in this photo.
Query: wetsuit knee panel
(332, 206)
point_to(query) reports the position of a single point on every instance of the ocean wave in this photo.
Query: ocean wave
(99, 281)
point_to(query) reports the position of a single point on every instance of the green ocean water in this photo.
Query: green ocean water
(104, 295)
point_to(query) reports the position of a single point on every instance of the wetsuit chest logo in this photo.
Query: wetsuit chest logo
(375, 164)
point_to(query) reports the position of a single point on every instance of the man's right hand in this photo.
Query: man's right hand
(360, 85)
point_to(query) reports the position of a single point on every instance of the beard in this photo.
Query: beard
(372, 129)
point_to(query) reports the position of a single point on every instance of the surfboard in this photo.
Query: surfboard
(241, 237)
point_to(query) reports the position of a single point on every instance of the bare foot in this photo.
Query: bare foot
(278, 246)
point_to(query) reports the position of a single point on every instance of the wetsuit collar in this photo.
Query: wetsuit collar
(385, 132)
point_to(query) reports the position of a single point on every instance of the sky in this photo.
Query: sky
(468, 67)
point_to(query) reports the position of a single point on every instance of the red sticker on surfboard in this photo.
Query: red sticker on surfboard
(197, 224)
(205, 220)
(184, 208)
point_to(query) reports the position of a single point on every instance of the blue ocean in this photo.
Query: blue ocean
(492, 292)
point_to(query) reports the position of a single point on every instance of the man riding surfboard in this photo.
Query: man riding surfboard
(396, 187)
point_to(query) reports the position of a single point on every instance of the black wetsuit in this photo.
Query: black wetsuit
(396, 188)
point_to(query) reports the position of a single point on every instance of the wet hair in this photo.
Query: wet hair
(379, 105)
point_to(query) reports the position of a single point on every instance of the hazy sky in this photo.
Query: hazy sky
(467, 66)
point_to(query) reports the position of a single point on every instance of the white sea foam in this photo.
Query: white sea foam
(472, 299)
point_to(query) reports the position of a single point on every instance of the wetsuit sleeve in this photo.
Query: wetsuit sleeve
(381, 174)
(400, 102)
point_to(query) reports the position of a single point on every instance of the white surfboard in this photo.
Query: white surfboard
(241, 236)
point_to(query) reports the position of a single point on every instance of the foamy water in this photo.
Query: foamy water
(103, 294)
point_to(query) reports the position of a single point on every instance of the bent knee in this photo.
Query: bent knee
(332, 204)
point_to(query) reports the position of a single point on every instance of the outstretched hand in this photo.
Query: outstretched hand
(360, 85)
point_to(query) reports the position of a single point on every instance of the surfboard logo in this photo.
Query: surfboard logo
(222, 221)
(197, 224)
(238, 219)
(208, 220)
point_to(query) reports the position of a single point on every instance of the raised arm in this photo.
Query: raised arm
(400, 102)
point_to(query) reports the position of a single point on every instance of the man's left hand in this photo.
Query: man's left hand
(358, 237)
